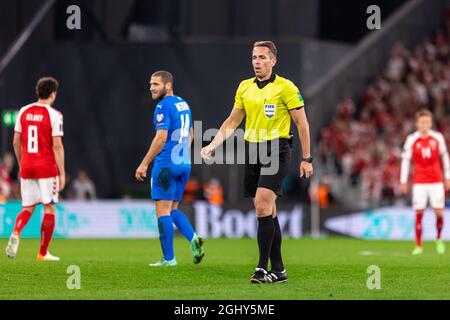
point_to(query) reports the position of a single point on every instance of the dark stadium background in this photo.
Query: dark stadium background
(348, 232)
(324, 47)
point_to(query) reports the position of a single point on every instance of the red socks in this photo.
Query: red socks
(439, 225)
(419, 216)
(48, 225)
(21, 221)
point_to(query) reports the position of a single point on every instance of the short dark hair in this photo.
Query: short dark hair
(267, 44)
(424, 113)
(46, 86)
(165, 76)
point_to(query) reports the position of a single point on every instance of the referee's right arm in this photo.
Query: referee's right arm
(228, 126)
(226, 130)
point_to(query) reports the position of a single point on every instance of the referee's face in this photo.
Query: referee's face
(263, 62)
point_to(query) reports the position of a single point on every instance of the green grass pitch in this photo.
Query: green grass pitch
(333, 268)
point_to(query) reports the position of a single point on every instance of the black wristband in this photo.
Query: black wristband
(309, 160)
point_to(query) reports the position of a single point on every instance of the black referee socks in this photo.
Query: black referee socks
(266, 231)
(276, 260)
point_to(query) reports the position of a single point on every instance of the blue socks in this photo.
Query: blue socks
(166, 233)
(183, 224)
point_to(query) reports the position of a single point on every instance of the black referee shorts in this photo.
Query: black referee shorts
(266, 165)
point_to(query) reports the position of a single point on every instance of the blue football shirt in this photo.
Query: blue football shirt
(174, 115)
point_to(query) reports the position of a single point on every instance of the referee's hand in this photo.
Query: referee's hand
(207, 152)
(306, 169)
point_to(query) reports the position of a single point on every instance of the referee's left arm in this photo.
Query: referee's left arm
(301, 122)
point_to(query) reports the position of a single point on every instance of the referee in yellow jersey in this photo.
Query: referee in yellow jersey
(269, 101)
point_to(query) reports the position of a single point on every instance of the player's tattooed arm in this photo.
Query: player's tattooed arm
(155, 148)
(17, 144)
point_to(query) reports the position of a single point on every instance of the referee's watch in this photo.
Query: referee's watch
(309, 159)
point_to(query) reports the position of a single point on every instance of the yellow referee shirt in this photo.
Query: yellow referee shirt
(267, 109)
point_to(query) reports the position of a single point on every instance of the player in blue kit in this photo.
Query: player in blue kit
(170, 151)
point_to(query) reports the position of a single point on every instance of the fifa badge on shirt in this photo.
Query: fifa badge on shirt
(269, 110)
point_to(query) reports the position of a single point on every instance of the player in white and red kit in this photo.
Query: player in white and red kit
(431, 177)
(39, 150)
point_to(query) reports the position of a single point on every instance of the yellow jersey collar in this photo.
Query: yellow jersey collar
(262, 84)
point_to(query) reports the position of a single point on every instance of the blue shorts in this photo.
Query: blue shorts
(168, 183)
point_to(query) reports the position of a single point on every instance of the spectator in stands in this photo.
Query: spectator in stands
(213, 192)
(321, 193)
(83, 187)
(396, 63)
(68, 192)
(6, 181)
(193, 191)
(15, 191)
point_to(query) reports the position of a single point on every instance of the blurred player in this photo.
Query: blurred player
(40, 154)
(170, 149)
(269, 102)
(425, 148)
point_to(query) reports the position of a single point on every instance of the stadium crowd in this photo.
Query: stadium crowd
(364, 140)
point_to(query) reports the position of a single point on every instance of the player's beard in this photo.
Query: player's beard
(161, 94)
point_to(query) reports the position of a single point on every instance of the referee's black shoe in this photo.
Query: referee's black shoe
(278, 276)
(260, 276)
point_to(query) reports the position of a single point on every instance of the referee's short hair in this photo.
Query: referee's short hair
(268, 44)
(165, 76)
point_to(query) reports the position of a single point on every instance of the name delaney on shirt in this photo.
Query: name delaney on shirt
(34, 117)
